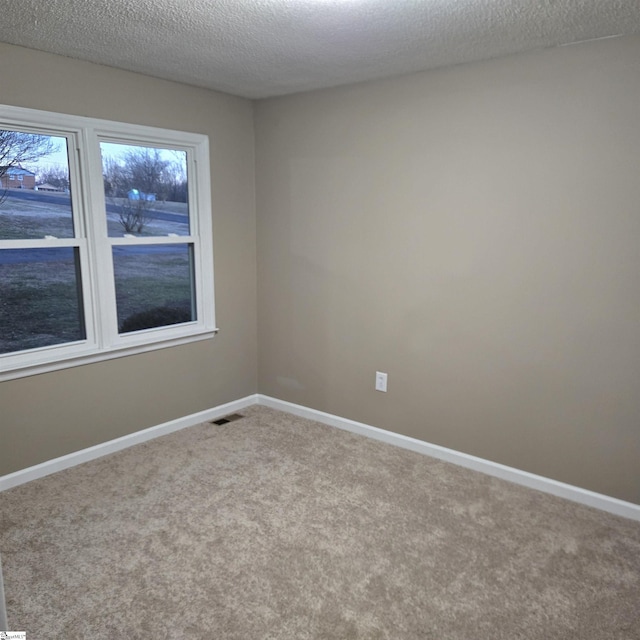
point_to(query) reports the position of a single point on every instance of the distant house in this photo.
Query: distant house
(47, 187)
(17, 178)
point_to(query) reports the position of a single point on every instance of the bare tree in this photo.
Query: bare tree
(55, 175)
(116, 178)
(133, 215)
(148, 171)
(177, 187)
(17, 147)
(134, 182)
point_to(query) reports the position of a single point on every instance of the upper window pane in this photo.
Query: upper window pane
(146, 190)
(35, 199)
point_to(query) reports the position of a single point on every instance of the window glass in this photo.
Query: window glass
(146, 190)
(154, 285)
(30, 212)
(40, 298)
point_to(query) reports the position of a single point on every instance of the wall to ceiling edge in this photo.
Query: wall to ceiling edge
(48, 415)
(472, 231)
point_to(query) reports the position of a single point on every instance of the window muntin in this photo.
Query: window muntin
(174, 251)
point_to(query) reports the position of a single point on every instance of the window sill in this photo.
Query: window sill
(92, 357)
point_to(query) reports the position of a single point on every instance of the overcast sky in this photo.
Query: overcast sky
(59, 157)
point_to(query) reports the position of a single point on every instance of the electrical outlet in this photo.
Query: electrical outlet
(381, 381)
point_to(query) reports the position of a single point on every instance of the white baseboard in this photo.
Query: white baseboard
(540, 483)
(524, 478)
(91, 453)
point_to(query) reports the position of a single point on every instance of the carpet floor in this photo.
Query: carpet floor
(276, 527)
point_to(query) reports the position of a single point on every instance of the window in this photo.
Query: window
(116, 256)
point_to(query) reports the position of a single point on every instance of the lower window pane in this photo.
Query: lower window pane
(154, 285)
(40, 298)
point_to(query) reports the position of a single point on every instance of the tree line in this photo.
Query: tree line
(146, 170)
(18, 148)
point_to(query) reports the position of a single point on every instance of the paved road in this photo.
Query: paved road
(62, 199)
(65, 254)
(39, 196)
(20, 256)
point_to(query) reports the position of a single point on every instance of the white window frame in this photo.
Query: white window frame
(103, 341)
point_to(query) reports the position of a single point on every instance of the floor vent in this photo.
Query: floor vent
(232, 417)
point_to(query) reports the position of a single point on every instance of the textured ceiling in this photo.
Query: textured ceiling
(261, 48)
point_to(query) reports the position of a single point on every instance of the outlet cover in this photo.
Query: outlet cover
(381, 381)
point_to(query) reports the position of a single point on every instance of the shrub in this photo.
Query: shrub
(155, 317)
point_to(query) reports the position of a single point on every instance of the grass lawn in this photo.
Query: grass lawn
(38, 307)
(159, 205)
(30, 219)
(152, 280)
(26, 219)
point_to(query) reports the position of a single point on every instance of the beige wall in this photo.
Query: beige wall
(53, 414)
(471, 231)
(475, 233)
